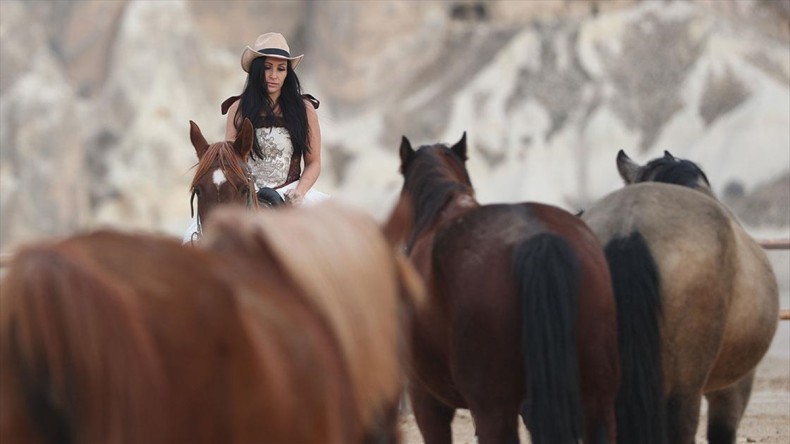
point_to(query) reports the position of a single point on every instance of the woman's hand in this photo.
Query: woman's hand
(294, 197)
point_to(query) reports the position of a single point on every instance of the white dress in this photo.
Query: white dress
(277, 169)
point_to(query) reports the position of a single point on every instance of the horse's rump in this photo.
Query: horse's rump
(684, 231)
(694, 239)
(348, 272)
(717, 300)
(532, 278)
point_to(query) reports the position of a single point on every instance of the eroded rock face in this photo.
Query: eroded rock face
(43, 190)
(95, 98)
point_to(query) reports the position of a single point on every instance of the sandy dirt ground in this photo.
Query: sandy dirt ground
(767, 418)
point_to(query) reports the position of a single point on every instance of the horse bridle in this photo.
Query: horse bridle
(249, 175)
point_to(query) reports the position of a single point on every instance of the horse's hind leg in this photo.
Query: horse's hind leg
(600, 430)
(496, 426)
(725, 410)
(433, 417)
(599, 391)
(683, 416)
(385, 430)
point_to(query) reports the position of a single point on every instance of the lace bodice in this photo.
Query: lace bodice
(279, 166)
(276, 167)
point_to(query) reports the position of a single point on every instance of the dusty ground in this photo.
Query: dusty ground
(767, 418)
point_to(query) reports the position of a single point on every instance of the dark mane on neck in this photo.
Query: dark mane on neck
(222, 154)
(432, 183)
(675, 171)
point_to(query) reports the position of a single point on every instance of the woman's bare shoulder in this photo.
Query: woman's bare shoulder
(309, 109)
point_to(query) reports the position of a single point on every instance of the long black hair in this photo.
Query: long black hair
(257, 106)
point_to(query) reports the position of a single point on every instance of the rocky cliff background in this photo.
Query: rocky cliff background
(96, 96)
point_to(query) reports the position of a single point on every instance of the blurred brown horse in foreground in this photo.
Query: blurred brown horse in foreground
(520, 316)
(279, 329)
(705, 295)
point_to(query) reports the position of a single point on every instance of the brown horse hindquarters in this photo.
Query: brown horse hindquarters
(597, 334)
(474, 262)
(596, 329)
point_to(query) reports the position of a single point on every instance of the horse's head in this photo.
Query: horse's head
(222, 175)
(448, 162)
(666, 169)
(434, 177)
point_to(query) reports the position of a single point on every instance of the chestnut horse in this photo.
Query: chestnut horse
(268, 333)
(704, 292)
(222, 175)
(520, 316)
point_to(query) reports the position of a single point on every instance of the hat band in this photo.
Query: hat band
(275, 52)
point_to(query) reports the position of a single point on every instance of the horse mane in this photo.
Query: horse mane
(221, 153)
(77, 348)
(673, 171)
(336, 256)
(432, 183)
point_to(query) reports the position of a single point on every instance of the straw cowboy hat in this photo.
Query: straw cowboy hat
(271, 44)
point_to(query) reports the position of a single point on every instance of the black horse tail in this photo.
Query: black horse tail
(640, 410)
(547, 271)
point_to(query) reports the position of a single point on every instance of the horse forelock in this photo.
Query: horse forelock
(674, 171)
(221, 156)
(433, 177)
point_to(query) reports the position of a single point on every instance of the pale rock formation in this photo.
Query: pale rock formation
(95, 99)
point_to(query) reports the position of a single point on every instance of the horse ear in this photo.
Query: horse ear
(406, 152)
(668, 155)
(243, 143)
(627, 168)
(460, 147)
(198, 141)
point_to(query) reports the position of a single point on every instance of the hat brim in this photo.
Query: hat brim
(250, 54)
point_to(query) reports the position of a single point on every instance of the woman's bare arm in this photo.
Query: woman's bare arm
(312, 160)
